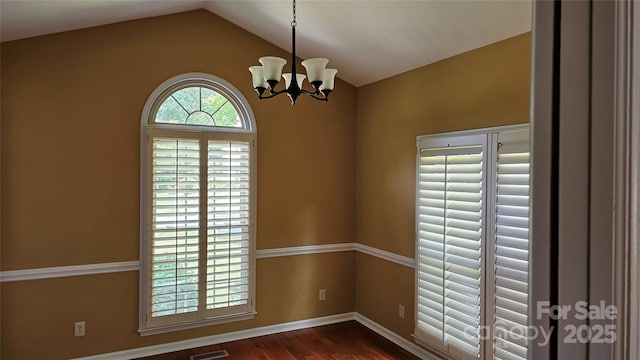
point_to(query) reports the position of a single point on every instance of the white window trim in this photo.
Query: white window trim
(146, 125)
(488, 138)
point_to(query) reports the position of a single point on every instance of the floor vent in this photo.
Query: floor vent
(211, 355)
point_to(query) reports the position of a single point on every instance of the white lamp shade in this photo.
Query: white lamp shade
(299, 79)
(315, 68)
(272, 67)
(258, 77)
(329, 78)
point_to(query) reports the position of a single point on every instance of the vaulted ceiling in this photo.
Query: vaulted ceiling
(367, 40)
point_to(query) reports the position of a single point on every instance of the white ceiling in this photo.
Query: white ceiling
(366, 40)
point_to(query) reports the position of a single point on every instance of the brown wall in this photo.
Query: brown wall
(38, 315)
(481, 88)
(71, 107)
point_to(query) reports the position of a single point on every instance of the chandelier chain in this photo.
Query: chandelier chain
(294, 22)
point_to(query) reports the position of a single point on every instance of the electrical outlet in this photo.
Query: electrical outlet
(401, 311)
(79, 328)
(322, 294)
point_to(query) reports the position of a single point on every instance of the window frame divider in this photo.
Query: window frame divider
(490, 232)
(204, 219)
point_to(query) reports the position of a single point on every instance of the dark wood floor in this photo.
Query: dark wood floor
(347, 340)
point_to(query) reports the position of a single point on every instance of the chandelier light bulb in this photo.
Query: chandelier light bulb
(272, 67)
(257, 75)
(299, 79)
(328, 79)
(315, 70)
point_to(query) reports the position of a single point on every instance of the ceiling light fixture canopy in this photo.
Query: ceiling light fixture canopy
(268, 75)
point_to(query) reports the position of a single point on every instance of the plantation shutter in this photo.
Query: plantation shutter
(511, 248)
(449, 248)
(228, 230)
(174, 226)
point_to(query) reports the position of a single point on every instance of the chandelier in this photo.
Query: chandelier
(268, 75)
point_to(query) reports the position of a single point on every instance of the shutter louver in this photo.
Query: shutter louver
(449, 247)
(175, 226)
(511, 251)
(431, 244)
(228, 232)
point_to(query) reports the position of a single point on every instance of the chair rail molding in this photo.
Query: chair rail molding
(134, 265)
(66, 271)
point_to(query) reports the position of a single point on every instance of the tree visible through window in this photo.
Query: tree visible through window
(198, 205)
(197, 105)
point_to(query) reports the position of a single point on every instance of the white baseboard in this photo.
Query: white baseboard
(221, 338)
(395, 338)
(266, 330)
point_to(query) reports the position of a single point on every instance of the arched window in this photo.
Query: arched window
(198, 205)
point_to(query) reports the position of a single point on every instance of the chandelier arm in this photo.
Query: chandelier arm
(310, 92)
(273, 94)
(301, 91)
(325, 99)
(276, 92)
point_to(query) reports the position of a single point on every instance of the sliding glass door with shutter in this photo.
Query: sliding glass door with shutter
(472, 241)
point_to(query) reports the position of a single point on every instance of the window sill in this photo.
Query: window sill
(196, 324)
